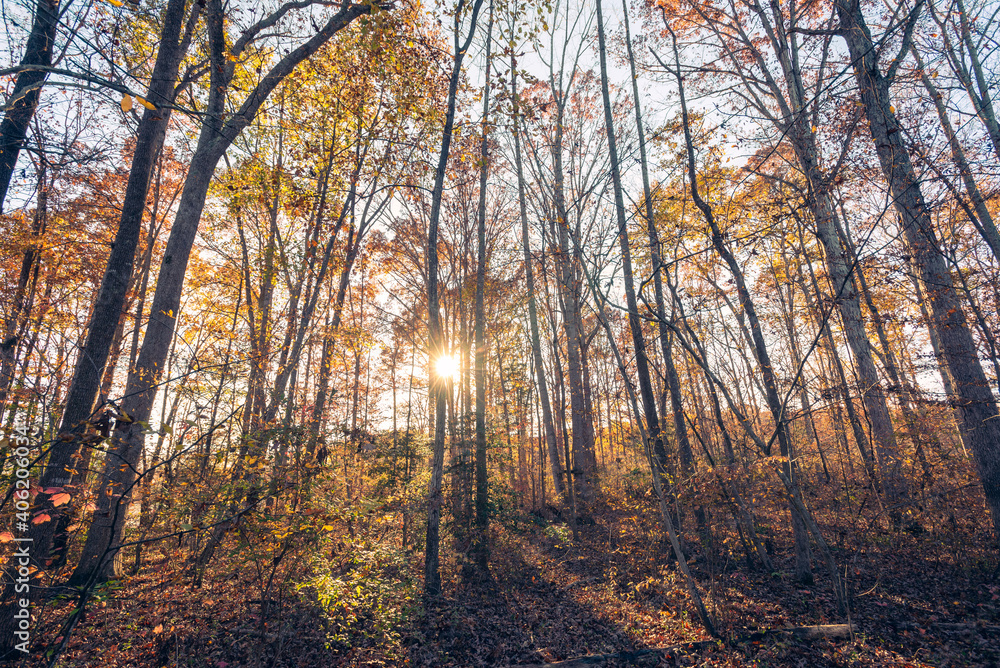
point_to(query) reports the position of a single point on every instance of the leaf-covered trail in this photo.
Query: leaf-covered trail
(543, 603)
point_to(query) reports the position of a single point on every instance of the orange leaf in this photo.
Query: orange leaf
(60, 498)
(41, 518)
(126, 102)
(6, 537)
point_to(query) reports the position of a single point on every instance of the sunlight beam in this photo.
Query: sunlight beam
(447, 367)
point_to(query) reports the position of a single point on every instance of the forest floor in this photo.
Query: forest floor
(919, 598)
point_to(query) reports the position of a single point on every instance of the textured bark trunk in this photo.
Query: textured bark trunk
(840, 272)
(23, 100)
(581, 468)
(122, 459)
(975, 400)
(111, 296)
(107, 314)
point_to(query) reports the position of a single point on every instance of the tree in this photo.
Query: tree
(31, 75)
(977, 406)
(482, 501)
(436, 336)
(218, 130)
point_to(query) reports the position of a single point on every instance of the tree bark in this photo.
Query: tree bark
(23, 100)
(979, 416)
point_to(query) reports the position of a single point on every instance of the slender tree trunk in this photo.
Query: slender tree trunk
(787, 470)
(20, 309)
(581, 465)
(439, 386)
(536, 344)
(482, 509)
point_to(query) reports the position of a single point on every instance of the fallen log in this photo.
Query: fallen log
(627, 656)
(797, 632)
(948, 627)
(804, 632)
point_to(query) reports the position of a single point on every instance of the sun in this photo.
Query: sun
(446, 366)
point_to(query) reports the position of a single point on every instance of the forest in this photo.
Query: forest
(499, 333)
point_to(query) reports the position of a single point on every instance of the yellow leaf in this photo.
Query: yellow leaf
(814, 128)
(158, 629)
(231, 57)
(126, 102)
(148, 105)
(892, 109)
(116, 3)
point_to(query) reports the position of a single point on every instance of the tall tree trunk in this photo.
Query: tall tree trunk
(482, 508)
(529, 274)
(439, 386)
(635, 325)
(978, 408)
(803, 569)
(23, 100)
(581, 467)
(669, 369)
(107, 311)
